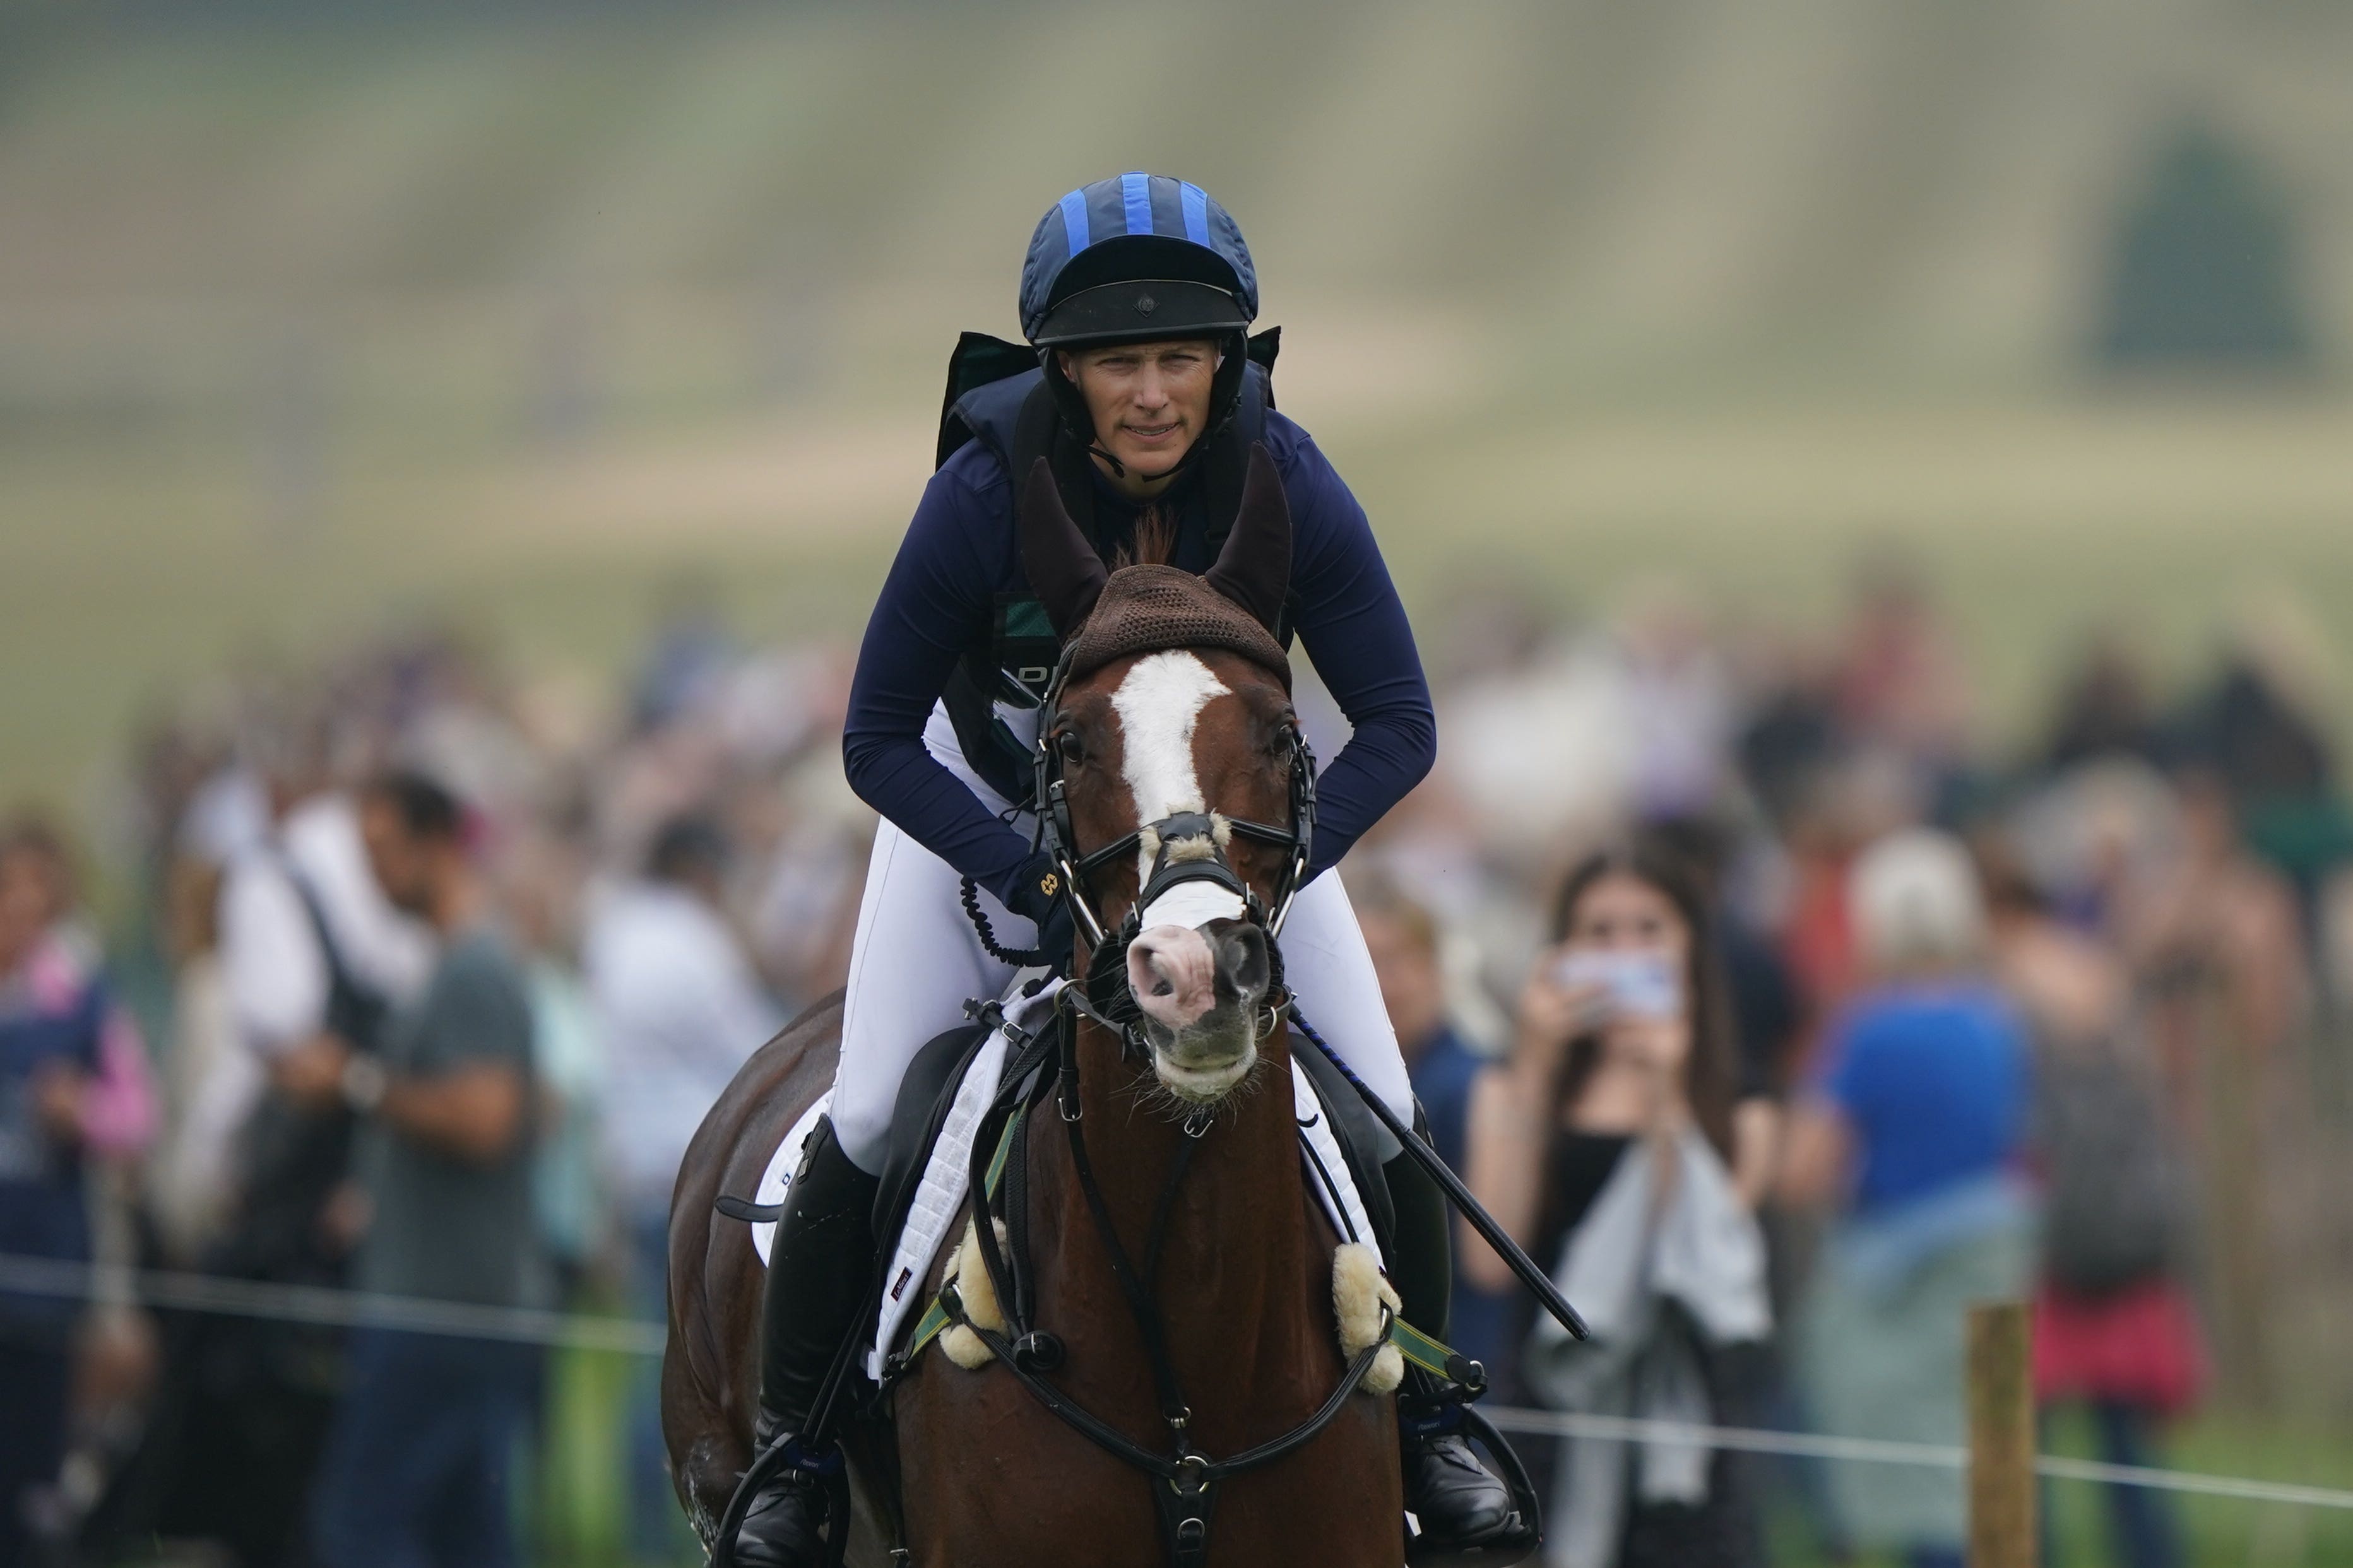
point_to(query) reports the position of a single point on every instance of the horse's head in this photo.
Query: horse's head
(1174, 724)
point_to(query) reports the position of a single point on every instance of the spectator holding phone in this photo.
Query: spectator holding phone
(1605, 1144)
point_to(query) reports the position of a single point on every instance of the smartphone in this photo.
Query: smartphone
(1640, 983)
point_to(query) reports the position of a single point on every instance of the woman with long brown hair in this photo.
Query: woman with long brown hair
(1606, 1144)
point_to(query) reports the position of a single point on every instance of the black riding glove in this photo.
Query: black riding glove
(1039, 896)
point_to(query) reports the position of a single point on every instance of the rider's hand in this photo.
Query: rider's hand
(1039, 897)
(1058, 939)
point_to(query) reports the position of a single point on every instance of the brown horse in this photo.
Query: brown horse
(1244, 1280)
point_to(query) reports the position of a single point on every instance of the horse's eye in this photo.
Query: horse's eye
(1073, 749)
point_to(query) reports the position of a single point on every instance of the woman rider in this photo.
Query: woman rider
(1136, 296)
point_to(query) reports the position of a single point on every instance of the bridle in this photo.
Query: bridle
(1058, 839)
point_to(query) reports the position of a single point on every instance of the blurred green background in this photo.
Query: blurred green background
(317, 318)
(313, 317)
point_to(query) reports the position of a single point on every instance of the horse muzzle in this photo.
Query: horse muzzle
(1199, 988)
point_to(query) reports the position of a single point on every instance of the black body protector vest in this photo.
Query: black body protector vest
(997, 395)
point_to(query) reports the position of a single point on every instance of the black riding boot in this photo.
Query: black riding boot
(818, 1271)
(1465, 1513)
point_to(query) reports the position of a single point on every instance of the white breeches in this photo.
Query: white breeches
(915, 960)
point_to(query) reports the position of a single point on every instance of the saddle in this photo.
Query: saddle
(923, 1184)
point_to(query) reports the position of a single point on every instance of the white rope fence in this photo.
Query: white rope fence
(320, 1306)
(1876, 1451)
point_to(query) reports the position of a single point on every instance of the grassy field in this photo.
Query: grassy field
(505, 316)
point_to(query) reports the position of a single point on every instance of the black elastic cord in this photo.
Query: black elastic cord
(1016, 957)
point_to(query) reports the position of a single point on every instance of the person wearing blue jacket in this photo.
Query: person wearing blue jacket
(1141, 390)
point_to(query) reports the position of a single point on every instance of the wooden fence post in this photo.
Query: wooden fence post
(2001, 1437)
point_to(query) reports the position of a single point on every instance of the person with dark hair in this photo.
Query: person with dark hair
(1766, 1011)
(428, 815)
(688, 851)
(416, 1467)
(310, 951)
(1606, 1144)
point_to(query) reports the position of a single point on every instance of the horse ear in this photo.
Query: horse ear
(1063, 569)
(1254, 568)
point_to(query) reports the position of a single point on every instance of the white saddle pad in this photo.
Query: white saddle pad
(940, 1194)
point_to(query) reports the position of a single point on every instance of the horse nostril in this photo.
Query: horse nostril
(1242, 966)
(1172, 972)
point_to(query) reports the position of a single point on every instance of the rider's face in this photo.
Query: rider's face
(1150, 402)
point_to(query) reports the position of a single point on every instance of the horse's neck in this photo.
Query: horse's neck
(1234, 1280)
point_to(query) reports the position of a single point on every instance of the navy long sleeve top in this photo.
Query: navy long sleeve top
(961, 555)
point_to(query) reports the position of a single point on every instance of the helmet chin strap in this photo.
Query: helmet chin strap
(1170, 472)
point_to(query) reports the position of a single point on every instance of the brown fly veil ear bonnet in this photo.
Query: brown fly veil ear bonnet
(1063, 569)
(1107, 616)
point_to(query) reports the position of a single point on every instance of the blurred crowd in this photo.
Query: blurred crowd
(1784, 1017)
(1770, 1005)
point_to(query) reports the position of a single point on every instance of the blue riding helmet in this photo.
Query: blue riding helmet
(1139, 259)
(1135, 259)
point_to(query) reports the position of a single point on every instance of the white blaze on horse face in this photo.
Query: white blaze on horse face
(1199, 1050)
(1158, 704)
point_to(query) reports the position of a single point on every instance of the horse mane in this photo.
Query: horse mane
(1153, 541)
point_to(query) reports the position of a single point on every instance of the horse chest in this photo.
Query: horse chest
(991, 1477)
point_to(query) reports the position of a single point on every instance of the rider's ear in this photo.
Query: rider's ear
(1254, 568)
(1063, 569)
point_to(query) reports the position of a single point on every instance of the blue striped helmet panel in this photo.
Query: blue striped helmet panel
(1136, 202)
(1196, 212)
(1123, 206)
